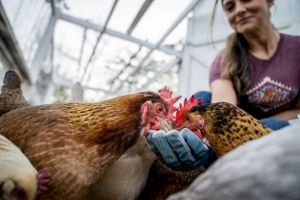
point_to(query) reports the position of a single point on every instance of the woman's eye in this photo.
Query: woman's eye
(229, 7)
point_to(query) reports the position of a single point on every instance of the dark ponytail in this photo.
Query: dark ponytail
(235, 63)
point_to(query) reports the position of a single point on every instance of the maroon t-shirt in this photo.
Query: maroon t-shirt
(275, 82)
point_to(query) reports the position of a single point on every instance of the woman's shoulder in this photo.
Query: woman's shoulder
(215, 68)
(295, 36)
(219, 56)
(291, 39)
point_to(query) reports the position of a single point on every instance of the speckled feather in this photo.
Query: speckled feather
(76, 142)
(163, 181)
(227, 126)
(267, 168)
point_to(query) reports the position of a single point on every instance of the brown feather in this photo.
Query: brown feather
(163, 181)
(76, 142)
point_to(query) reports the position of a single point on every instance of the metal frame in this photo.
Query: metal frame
(186, 11)
(99, 38)
(45, 41)
(90, 25)
(138, 17)
(10, 46)
(152, 47)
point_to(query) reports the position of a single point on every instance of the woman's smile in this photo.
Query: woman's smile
(243, 20)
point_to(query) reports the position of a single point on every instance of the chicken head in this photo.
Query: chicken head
(186, 119)
(154, 116)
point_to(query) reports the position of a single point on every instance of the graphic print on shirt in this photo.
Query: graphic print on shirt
(270, 94)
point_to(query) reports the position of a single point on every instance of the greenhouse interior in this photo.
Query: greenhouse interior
(116, 47)
(73, 55)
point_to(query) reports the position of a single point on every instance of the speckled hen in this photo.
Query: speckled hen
(266, 168)
(224, 125)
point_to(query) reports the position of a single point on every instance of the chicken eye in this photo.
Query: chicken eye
(160, 109)
(188, 118)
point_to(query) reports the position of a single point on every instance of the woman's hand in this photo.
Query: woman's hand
(181, 151)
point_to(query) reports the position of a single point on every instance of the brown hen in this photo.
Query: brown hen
(78, 143)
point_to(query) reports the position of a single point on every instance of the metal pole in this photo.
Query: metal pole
(186, 11)
(84, 23)
(138, 17)
(99, 38)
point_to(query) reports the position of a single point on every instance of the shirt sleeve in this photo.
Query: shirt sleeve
(215, 69)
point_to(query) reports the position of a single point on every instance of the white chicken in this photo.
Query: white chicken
(18, 178)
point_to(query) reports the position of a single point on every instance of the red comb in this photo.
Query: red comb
(186, 106)
(166, 94)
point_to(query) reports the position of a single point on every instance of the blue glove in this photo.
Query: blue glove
(181, 151)
(274, 124)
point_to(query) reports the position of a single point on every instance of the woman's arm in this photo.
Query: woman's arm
(290, 114)
(287, 115)
(223, 91)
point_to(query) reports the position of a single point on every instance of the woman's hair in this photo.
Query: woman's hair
(234, 60)
(235, 63)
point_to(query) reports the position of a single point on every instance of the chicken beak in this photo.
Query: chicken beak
(159, 124)
(201, 123)
(199, 134)
(165, 124)
(147, 129)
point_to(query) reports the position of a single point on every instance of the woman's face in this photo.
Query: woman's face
(247, 15)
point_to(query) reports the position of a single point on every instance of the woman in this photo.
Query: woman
(259, 70)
